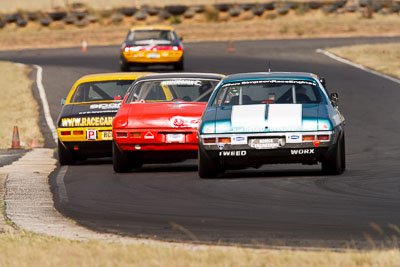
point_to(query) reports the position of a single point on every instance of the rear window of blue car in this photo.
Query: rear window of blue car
(268, 92)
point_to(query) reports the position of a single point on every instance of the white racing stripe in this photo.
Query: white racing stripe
(45, 104)
(285, 117)
(358, 66)
(248, 116)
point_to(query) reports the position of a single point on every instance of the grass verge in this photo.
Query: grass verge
(26, 249)
(18, 107)
(384, 58)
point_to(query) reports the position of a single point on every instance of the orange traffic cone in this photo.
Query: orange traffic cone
(84, 46)
(15, 139)
(34, 142)
(230, 47)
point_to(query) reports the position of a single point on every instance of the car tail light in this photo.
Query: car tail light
(166, 48)
(76, 147)
(135, 135)
(77, 132)
(122, 134)
(323, 137)
(308, 137)
(65, 132)
(224, 140)
(210, 140)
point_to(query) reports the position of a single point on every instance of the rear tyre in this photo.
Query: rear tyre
(65, 156)
(336, 163)
(179, 65)
(123, 65)
(120, 159)
(207, 167)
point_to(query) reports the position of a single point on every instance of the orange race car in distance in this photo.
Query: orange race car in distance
(151, 45)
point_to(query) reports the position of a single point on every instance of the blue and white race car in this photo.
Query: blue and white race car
(261, 118)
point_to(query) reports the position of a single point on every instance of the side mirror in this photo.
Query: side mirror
(63, 101)
(181, 38)
(334, 99)
(323, 81)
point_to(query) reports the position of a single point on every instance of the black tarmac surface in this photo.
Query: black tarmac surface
(274, 205)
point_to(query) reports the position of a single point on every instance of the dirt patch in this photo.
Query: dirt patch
(18, 107)
(314, 24)
(384, 58)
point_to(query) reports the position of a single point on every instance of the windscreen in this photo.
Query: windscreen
(268, 92)
(144, 37)
(173, 90)
(101, 91)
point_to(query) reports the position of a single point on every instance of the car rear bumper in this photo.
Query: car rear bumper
(156, 139)
(144, 57)
(90, 149)
(246, 152)
(81, 134)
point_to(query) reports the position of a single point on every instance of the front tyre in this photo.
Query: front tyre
(207, 167)
(120, 159)
(336, 163)
(65, 156)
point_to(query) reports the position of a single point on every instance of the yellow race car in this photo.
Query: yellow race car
(84, 126)
(151, 45)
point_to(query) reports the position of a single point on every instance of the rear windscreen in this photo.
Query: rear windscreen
(268, 92)
(146, 37)
(101, 91)
(170, 90)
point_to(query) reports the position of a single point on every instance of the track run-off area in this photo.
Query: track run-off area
(291, 205)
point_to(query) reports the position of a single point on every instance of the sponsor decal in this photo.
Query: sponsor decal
(239, 140)
(181, 82)
(88, 121)
(267, 143)
(221, 146)
(316, 143)
(294, 138)
(179, 121)
(91, 134)
(138, 147)
(233, 153)
(105, 106)
(97, 112)
(148, 135)
(302, 151)
(270, 81)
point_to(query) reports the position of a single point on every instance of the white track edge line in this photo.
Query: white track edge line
(45, 104)
(356, 65)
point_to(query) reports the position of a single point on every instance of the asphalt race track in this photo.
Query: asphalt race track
(274, 205)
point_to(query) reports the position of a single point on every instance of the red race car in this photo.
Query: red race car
(158, 119)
